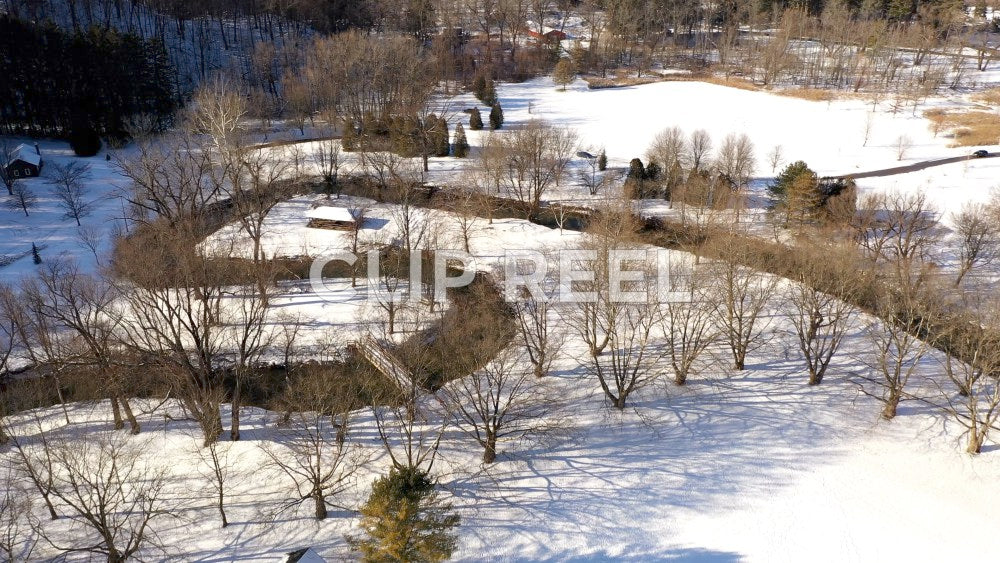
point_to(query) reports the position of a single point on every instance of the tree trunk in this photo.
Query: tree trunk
(320, 503)
(222, 507)
(116, 412)
(234, 431)
(134, 427)
(815, 378)
(619, 402)
(490, 451)
(889, 412)
(975, 443)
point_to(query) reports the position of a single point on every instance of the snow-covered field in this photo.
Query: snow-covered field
(755, 466)
(46, 224)
(751, 466)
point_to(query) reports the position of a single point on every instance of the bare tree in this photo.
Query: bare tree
(867, 129)
(68, 187)
(37, 466)
(172, 177)
(896, 351)
(527, 161)
(112, 493)
(76, 303)
(977, 404)
(541, 342)
(218, 111)
(403, 417)
(743, 296)
(254, 187)
(698, 148)
(21, 198)
(902, 144)
(775, 158)
(216, 468)
(17, 537)
(312, 452)
(498, 402)
(821, 318)
(8, 152)
(736, 160)
(172, 310)
(465, 209)
(668, 149)
(977, 237)
(329, 157)
(688, 324)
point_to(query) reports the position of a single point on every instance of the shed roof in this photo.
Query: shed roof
(27, 154)
(331, 214)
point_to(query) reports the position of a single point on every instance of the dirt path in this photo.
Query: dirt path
(910, 167)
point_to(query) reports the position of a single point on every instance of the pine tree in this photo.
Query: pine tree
(496, 116)
(461, 144)
(788, 176)
(479, 86)
(84, 140)
(442, 146)
(602, 162)
(652, 171)
(475, 120)
(489, 92)
(403, 520)
(636, 171)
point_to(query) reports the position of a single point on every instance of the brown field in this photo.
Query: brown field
(989, 97)
(968, 128)
(811, 94)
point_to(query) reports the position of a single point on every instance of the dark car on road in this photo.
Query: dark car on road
(981, 153)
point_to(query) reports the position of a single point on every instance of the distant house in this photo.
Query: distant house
(548, 35)
(304, 555)
(335, 218)
(554, 36)
(25, 162)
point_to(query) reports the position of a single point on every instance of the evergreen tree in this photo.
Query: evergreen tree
(489, 92)
(479, 86)
(403, 520)
(602, 162)
(475, 120)
(461, 144)
(55, 78)
(636, 171)
(652, 171)
(84, 140)
(442, 145)
(496, 116)
(788, 176)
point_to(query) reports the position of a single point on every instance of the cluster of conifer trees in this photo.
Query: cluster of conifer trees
(55, 83)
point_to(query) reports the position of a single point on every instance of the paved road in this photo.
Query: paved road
(910, 167)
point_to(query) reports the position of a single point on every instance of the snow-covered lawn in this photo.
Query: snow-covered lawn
(754, 466)
(46, 224)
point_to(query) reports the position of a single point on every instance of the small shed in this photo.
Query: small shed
(304, 555)
(335, 218)
(25, 162)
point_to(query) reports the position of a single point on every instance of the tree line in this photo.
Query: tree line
(55, 82)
